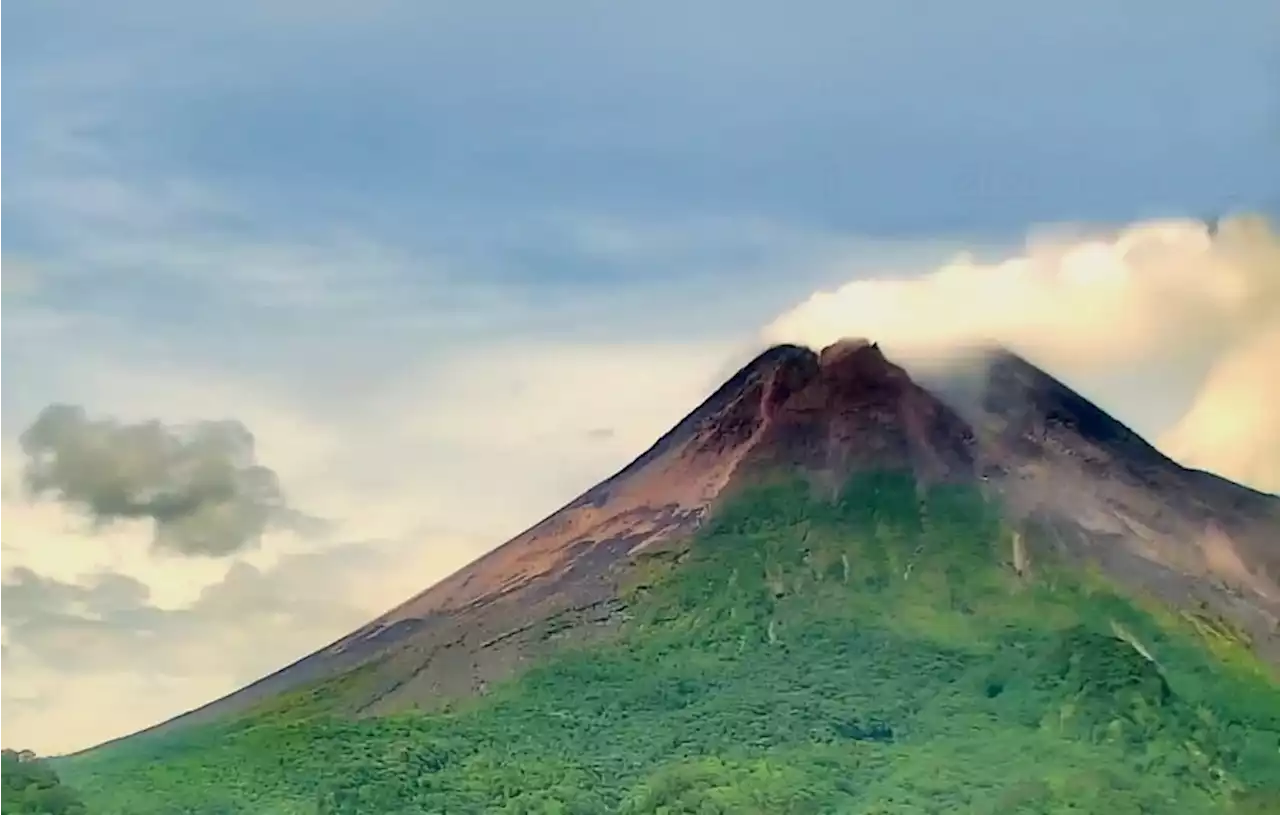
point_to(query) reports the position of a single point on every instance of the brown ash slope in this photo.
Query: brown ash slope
(1086, 486)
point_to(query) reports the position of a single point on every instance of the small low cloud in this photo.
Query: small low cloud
(30, 598)
(200, 484)
(106, 621)
(75, 647)
(66, 622)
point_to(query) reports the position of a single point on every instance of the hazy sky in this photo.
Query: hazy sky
(450, 263)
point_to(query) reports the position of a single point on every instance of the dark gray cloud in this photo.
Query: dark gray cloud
(199, 483)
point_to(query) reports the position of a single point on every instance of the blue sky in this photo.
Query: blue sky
(488, 145)
(367, 229)
(460, 128)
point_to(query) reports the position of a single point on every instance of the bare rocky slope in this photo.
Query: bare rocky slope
(1082, 485)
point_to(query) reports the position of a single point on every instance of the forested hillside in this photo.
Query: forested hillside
(874, 654)
(31, 785)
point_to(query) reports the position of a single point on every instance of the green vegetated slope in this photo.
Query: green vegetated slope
(875, 654)
(29, 786)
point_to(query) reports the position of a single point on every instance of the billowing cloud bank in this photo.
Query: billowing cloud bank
(1153, 294)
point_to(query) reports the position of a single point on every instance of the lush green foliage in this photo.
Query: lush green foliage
(875, 654)
(29, 785)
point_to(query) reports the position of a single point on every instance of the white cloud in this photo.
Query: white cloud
(1232, 426)
(1155, 295)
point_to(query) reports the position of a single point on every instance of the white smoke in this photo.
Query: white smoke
(1146, 296)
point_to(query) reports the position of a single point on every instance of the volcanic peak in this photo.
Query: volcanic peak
(825, 417)
(848, 408)
(849, 369)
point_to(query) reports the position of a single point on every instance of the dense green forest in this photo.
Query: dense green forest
(28, 784)
(876, 654)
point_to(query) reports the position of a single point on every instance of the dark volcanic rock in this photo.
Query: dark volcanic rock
(1079, 484)
(859, 411)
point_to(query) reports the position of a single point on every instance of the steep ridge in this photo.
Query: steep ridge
(478, 624)
(788, 410)
(1082, 486)
(1105, 496)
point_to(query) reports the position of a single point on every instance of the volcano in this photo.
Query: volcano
(822, 524)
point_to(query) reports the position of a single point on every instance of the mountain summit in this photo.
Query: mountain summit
(1092, 489)
(790, 410)
(828, 524)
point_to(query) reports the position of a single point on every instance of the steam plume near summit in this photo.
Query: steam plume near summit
(1154, 293)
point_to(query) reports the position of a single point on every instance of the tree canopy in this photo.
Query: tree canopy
(31, 785)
